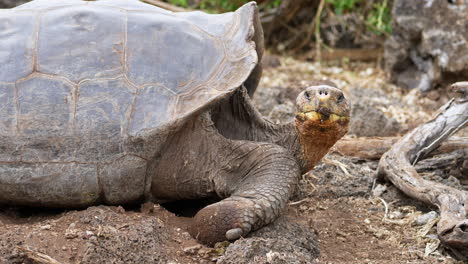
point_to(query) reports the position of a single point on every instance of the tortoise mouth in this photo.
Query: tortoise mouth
(322, 117)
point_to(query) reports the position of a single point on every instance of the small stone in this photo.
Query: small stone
(379, 190)
(432, 236)
(433, 95)
(45, 227)
(367, 72)
(192, 249)
(71, 235)
(425, 218)
(367, 221)
(119, 209)
(341, 234)
(272, 256)
(396, 215)
(71, 232)
(320, 207)
(148, 208)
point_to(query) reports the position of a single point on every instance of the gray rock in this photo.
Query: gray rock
(429, 43)
(368, 121)
(284, 241)
(379, 190)
(423, 219)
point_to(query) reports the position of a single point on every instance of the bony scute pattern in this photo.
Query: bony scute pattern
(90, 90)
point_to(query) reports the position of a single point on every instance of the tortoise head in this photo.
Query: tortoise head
(322, 118)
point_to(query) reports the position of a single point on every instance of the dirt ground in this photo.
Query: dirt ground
(338, 210)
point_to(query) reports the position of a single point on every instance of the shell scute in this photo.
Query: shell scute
(214, 24)
(103, 107)
(16, 44)
(49, 184)
(45, 110)
(170, 51)
(81, 42)
(7, 110)
(152, 109)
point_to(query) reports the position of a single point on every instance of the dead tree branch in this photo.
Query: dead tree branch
(36, 257)
(397, 165)
(372, 148)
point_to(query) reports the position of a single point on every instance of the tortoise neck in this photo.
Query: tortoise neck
(308, 148)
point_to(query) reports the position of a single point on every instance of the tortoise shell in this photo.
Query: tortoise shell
(86, 83)
(72, 68)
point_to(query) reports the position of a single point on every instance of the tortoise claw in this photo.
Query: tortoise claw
(234, 233)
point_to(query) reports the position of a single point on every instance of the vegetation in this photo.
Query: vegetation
(181, 3)
(220, 6)
(376, 14)
(377, 18)
(339, 6)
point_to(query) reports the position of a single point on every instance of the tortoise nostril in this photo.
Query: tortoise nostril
(323, 93)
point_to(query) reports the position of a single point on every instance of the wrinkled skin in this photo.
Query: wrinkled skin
(129, 118)
(264, 160)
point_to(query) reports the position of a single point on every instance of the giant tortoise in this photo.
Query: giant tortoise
(119, 102)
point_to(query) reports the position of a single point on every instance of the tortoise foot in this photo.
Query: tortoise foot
(228, 219)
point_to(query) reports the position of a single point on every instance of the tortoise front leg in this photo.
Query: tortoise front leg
(257, 179)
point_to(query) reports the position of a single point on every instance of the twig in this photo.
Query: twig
(339, 165)
(304, 177)
(299, 202)
(386, 208)
(312, 27)
(328, 53)
(318, 39)
(376, 28)
(37, 257)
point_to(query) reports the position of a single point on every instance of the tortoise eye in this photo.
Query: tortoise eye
(340, 98)
(307, 95)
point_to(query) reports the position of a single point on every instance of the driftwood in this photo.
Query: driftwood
(32, 256)
(373, 148)
(444, 165)
(397, 165)
(338, 54)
